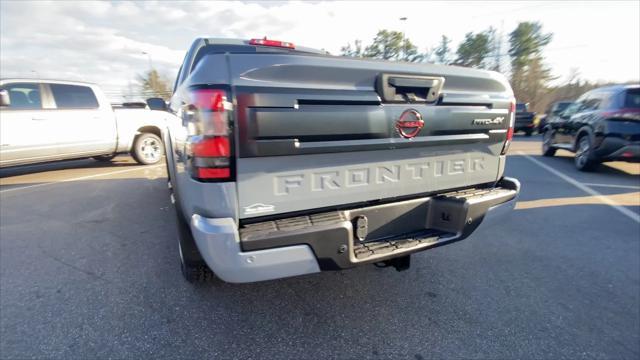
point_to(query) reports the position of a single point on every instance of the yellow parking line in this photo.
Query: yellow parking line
(603, 199)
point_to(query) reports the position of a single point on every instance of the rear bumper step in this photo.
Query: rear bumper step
(343, 239)
(383, 248)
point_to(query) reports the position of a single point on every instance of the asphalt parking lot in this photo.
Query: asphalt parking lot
(89, 269)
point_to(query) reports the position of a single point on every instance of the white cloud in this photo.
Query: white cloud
(103, 41)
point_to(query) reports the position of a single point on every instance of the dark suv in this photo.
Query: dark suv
(554, 110)
(602, 125)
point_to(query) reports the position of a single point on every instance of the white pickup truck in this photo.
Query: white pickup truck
(48, 120)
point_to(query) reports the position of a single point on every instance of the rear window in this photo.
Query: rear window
(632, 99)
(521, 107)
(73, 97)
(591, 104)
(562, 106)
(24, 96)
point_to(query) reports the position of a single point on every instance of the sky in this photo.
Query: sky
(103, 42)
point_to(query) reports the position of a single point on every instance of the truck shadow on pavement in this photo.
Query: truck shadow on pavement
(118, 162)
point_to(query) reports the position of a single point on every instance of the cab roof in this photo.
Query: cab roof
(244, 42)
(48, 81)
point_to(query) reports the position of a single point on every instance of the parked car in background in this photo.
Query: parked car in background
(602, 125)
(285, 161)
(554, 110)
(47, 120)
(524, 119)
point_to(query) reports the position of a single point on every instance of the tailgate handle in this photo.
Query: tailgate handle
(397, 88)
(408, 82)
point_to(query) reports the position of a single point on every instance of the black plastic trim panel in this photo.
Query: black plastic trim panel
(393, 229)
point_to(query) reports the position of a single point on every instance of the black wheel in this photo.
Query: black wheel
(147, 149)
(584, 154)
(104, 158)
(193, 267)
(547, 139)
(195, 273)
(528, 132)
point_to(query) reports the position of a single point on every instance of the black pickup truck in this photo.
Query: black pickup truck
(524, 119)
(285, 161)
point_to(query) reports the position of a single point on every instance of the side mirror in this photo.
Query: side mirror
(157, 104)
(4, 98)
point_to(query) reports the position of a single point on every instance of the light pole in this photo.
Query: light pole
(404, 21)
(151, 79)
(149, 58)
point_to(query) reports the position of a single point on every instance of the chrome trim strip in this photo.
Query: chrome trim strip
(418, 140)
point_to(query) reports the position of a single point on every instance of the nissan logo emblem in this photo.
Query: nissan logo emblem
(409, 123)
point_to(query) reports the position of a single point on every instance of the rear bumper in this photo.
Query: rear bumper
(617, 148)
(219, 244)
(497, 214)
(342, 239)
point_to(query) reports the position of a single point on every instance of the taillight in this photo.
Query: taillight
(209, 99)
(622, 114)
(209, 145)
(272, 43)
(512, 119)
(216, 146)
(510, 134)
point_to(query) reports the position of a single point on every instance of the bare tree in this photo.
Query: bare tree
(154, 85)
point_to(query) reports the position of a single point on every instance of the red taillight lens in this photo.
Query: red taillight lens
(208, 111)
(217, 146)
(512, 119)
(272, 43)
(210, 145)
(510, 134)
(208, 173)
(209, 99)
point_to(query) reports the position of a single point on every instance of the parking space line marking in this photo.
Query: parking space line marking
(78, 178)
(630, 214)
(631, 187)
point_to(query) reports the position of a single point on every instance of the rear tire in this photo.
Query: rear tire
(104, 158)
(192, 266)
(147, 149)
(584, 154)
(528, 133)
(547, 147)
(194, 272)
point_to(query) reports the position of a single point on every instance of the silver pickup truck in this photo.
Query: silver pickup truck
(47, 120)
(285, 161)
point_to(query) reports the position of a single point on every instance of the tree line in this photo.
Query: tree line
(521, 59)
(527, 72)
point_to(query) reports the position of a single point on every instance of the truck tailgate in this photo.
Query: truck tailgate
(315, 132)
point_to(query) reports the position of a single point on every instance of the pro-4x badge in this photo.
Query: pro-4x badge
(495, 121)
